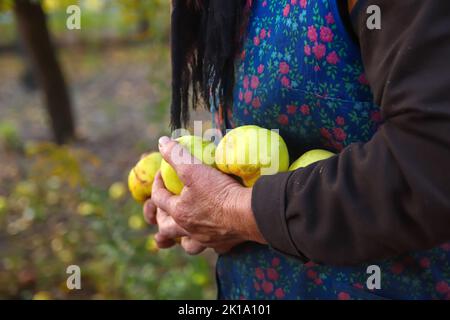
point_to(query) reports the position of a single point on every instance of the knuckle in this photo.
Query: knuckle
(164, 231)
(186, 222)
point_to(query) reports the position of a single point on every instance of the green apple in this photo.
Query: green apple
(201, 149)
(140, 179)
(250, 151)
(309, 158)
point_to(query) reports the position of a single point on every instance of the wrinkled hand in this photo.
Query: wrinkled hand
(213, 210)
(169, 232)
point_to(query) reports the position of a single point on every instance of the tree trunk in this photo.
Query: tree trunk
(33, 29)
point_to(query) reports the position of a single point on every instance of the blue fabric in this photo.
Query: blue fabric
(300, 72)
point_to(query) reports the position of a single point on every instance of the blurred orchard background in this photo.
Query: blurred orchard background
(77, 108)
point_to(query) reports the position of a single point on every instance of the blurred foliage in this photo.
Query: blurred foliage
(61, 219)
(127, 19)
(9, 136)
(53, 210)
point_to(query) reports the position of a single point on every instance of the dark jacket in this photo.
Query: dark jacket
(391, 195)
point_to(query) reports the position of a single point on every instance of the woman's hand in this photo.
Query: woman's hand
(213, 210)
(169, 232)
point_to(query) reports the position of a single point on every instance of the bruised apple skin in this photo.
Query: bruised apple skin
(140, 179)
(251, 151)
(310, 157)
(201, 149)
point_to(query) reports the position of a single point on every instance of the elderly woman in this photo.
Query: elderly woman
(318, 72)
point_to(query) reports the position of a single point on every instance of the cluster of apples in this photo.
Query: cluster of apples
(246, 153)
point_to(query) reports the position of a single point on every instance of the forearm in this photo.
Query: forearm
(240, 216)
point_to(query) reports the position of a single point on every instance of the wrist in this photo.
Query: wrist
(243, 217)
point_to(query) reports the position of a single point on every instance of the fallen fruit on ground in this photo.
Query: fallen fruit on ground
(201, 149)
(310, 157)
(251, 151)
(140, 179)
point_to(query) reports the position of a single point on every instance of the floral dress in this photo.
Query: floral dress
(301, 72)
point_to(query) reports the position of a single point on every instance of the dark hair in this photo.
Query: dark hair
(206, 37)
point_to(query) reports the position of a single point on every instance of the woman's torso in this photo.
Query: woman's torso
(301, 72)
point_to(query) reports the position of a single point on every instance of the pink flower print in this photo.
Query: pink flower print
(279, 293)
(286, 10)
(283, 119)
(243, 54)
(272, 274)
(264, 4)
(310, 264)
(304, 109)
(286, 82)
(275, 262)
(442, 287)
(259, 273)
(319, 50)
(246, 82)
(337, 145)
(254, 82)
(316, 68)
(343, 296)
(329, 18)
(425, 263)
(340, 134)
(326, 34)
(257, 286)
(312, 274)
(303, 4)
(446, 246)
(256, 103)
(248, 96)
(358, 286)
(397, 268)
(245, 112)
(260, 68)
(332, 58)
(340, 121)
(241, 96)
(375, 116)
(325, 133)
(267, 287)
(256, 41)
(312, 33)
(263, 34)
(284, 68)
(291, 109)
(293, 2)
(363, 80)
(318, 281)
(307, 50)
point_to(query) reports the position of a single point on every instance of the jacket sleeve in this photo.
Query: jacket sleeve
(391, 195)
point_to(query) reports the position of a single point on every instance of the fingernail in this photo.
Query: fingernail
(163, 141)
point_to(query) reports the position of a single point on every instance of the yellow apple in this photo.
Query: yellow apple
(140, 179)
(250, 151)
(310, 157)
(201, 149)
